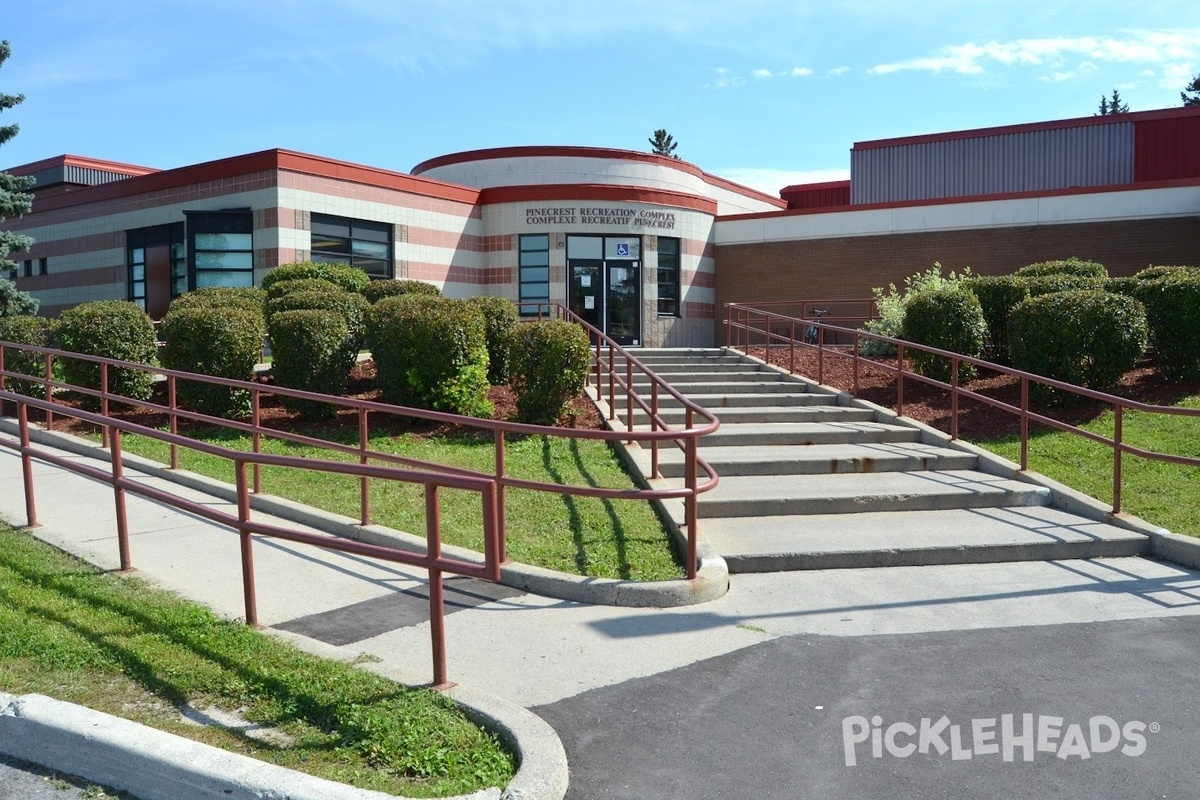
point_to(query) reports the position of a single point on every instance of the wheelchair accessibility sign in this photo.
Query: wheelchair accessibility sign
(622, 248)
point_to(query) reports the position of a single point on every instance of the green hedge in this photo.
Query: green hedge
(280, 288)
(1173, 311)
(997, 294)
(1068, 266)
(549, 363)
(430, 353)
(113, 329)
(349, 278)
(1125, 286)
(224, 342)
(500, 317)
(1083, 337)
(1155, 272)
(246, 297)
(1039, 285)
(377, 290)
(312, 352)
(24, 329)
(352, 308)
(948, 319)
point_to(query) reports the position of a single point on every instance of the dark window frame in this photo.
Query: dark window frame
(352, 232)
(43, 266)
(27, 268)
(235, 222)
(528, 258)
(668, 264)
(170, 235)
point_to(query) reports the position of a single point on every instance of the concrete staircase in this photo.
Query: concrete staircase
(812, 479)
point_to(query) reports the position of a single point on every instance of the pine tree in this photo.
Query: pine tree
(14, 201)
(1191, 93)
(663, 144)
(1114, 106)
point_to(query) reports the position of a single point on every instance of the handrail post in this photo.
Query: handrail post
(104, 432)
(49, 390)
(256, 435)
(653, 428)
(118, 476)
(1024, 423)
(501, 501)
(249, 595)
(1117, 453)
(953, 398)
(437, 608)
(629, 393)
(820, 355)
(612, 384)
(899, 380)
(1, 378)
(857, 356)
(364, 484)
(691, 501)
(792, 348)
(173, 405)
(26, 465)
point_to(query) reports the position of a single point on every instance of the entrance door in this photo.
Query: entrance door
(605, 284)
(586, 297)
(623, 302)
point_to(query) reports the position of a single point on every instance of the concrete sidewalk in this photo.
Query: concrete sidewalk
(533, 651)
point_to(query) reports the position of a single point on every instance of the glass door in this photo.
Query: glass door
(605, 284)
(623, 302)
(586, 296)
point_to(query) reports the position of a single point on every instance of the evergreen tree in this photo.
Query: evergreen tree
(1114, 106)
(14, 201)
(1191, 93)
(663, 144)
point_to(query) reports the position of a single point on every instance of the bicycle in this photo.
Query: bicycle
(811, 333)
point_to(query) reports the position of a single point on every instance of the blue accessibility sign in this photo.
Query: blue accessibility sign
(622, 248)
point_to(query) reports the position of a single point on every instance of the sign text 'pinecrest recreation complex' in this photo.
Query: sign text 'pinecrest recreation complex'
(600, 215)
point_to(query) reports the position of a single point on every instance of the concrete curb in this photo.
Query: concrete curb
(712, 580)
(153, 764)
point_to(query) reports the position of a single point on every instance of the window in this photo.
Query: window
(366, 245)
(157, 266)
(43, 268)
(668, 277)
(28, 265)
(222, 248)
(535, 271)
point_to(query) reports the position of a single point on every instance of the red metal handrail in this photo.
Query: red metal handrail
(432, 560)
(744, 319)
(659, 431)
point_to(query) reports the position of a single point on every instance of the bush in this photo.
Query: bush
(948, 319)
(351, 307)
(430, 353)
(1069, 266)
(1125, 286)
(377, 290)
(14, 302)
(349, 278)
(549, 363)
(997, 294)
(280, 288)
(891, 305)
(249, 298)
(25, 329)
(1083, 337)
(113, 329)
(312, 352)
(224, 342)
(1048, 284)
(1162, 271)
(500, 317)
(1173, 312)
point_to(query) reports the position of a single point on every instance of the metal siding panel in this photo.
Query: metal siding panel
(1167, 149)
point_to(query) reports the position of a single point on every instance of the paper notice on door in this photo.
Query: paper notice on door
(617, 275)
(585, 281)
(589, 302)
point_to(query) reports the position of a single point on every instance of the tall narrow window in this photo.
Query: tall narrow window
(28, 265)
(668, 277)
(366, 245)
(43, 266)
(535, 271)
(157, 266)
(222, 248)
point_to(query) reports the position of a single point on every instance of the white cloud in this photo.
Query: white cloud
(800, 72)
(1173, 50)
(761, 73)
(770, 181)
(837, 71)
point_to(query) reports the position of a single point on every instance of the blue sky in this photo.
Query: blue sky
(766, 93)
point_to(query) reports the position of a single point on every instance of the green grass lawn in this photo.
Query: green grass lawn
(73, 632)
(1161, 493)
(609, 538)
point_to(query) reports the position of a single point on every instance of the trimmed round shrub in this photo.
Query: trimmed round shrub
(1049, 284)
(1067, 266)
(1173, 312)
(997, 294)
(430, 353)
(948, 319)
(349, 278)
(24, 329)
(1154, 272)
(224, 342)
(1125, 286)
(313, 352)
(1087, 338)
(500, 317)
(246, 297)
(549, 363)
(112, 329)
(377, 290)
(280, 288)
(352, 308)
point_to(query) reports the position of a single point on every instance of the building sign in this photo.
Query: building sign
(612, 216)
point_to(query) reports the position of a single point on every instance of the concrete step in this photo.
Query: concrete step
(910, 538)
(738, 374)
(822, 459)
(666, 368)
(781, 495)
(716, 402)
(759, 434)
(767, 414)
